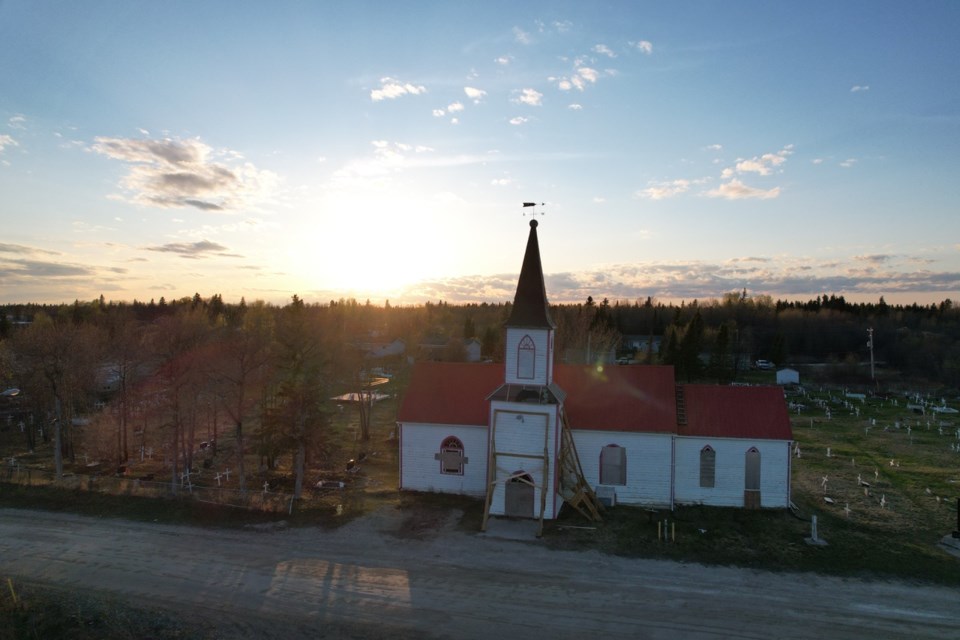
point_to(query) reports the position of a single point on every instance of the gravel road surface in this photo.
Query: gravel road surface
(367, 580)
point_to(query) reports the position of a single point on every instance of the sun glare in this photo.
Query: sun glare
(374, 246)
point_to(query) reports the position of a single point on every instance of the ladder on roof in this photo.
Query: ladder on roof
(573, 486)
(681, 406)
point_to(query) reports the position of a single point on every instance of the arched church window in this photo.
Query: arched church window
(451, 456)
(708, 467)
(526, 358)
(613, 465)
(752, 471)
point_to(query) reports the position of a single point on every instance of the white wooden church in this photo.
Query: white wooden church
(529, 435)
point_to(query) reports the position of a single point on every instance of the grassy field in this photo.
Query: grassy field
(889, 529)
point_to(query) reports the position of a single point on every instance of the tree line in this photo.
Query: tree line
(268, 371)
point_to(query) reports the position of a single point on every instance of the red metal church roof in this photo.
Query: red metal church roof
(450, 393)
(619, 398)
(639, 399)
(735, 412)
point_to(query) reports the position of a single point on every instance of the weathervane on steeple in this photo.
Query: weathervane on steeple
(533, 214)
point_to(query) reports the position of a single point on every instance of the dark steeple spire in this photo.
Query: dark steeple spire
(530, 307)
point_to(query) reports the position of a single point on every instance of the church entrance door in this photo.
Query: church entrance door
(518, 497)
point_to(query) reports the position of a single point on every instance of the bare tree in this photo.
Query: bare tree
(62, 357)
(239, 372)
(303, 383)
(180, 341)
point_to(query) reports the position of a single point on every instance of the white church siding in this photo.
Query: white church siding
(420, 468)
(730, 469)
(647, 458)
(519, 438)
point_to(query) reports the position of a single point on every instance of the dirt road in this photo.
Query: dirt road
(362, 581)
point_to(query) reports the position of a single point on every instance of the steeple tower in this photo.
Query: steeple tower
(530, 308)
(529, 344)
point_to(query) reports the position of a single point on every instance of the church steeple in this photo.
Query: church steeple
(530, 307)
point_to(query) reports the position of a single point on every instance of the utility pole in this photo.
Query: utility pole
(870, 346)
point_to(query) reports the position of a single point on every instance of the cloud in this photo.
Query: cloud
(603, 49)
(455, 107)
(503, 61)
(763, 165)
(575, 107)
(874, 259)
(391, 89)
(439, 113)
(475, 94)
(736, 190)
(580, 78)
(849, 162)
(518, 120)
(715, 147)
(501, 182)
(21, 249)
(193, 250)
(17, 122)
(521, 36)
(530, 97)
(664, 190)
(857, 88)
(785, 277)
(643, 46)
(174, 173)
(7, 141)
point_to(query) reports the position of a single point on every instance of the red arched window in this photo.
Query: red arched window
(451, 456)
(526, 358)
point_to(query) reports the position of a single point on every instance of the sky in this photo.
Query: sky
(384, 150)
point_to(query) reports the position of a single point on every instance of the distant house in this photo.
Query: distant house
(529, 435)
(445, 349)
(385, 350)
(472, 347)
(788, 376)
(641, 344)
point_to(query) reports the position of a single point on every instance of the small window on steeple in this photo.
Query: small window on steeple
(526, 358)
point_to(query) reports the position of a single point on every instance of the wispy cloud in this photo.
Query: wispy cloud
(858, 88)
(391, 89)
(849, 162)
(22, 249)
(175, 173)
(530, 97)
(765, 164)
(663, 190)
(503, 61)
(455, 107)
(643, 46)
(477, 95)
(17, 122)
(518, 120)
(575, 107)
(521, 36)
(7, 141)
(194, 250)
(736, 190)
(604, 50)
(792, 278)
(580, 78)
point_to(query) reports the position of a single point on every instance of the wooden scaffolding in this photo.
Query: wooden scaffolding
(573, 487)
